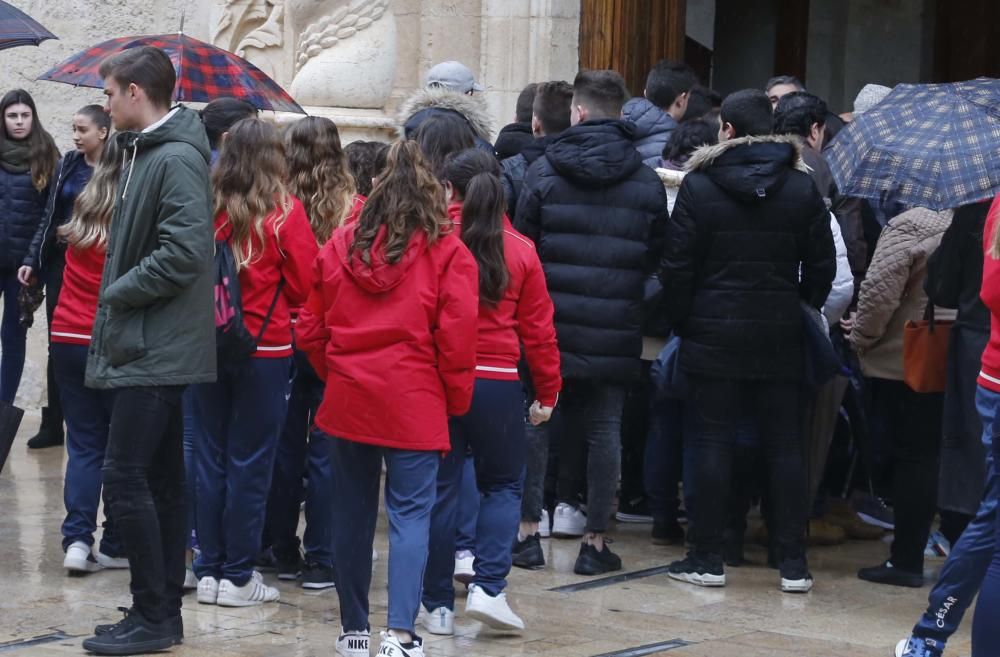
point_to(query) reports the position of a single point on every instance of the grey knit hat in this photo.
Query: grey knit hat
(869, 97)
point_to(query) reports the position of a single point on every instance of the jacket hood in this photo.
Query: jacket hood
(536, 149)
(381, 276)
(647, 117)
(750, 167)
(671, 178)
(514, 129)
(473, 108)
(183, 126)
(598, 153)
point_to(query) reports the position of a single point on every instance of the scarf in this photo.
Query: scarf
(15, 156)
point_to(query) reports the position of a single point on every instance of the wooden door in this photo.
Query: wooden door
(630, 36)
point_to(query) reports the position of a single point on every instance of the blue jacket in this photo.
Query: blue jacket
(21, 208)
(653, 128)
(55, 214)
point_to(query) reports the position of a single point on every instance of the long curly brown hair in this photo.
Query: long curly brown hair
(94, 206)
(249, 183)
(318, 174)
(406, 198)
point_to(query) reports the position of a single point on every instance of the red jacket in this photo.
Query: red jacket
(289, 257)
(394, 343)
(73, 318)
(523, 316)
(989, 377)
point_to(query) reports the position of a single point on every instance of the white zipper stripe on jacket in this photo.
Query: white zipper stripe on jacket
(503, 370)
(991, 379)
(281, 348)
(131, 168)
(79, 336)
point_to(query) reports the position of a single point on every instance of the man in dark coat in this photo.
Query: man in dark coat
(662, 105)
(515, 136)
(549, 117)
(597, 216)
(748, 243)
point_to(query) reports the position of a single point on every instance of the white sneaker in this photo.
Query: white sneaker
(208, 590)
(79, 559)
(545, 525)
(569, 522)
(391, 646)
(493, 611)
(252, 593)
(116, 563)
(463, 566)
(441, 621)
(190, 581)
(354, 644)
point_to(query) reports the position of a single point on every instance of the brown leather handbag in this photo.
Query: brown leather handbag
(925, 352)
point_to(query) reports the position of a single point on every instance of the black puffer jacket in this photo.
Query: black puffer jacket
(653, 128)
(512, 140)
(597, 216)
(21, 207)
(747, 221)
(515, 168)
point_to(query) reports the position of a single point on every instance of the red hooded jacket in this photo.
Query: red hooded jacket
(394, 343)
(73, 318)
(989, 376)
(523, 316)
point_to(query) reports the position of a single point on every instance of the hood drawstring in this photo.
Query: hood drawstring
(131, 166)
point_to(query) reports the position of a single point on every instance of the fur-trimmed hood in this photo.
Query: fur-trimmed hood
(473, 108)
(750, 167)
(671, 178)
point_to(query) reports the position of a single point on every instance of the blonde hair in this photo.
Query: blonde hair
(318, 174)
(249, 184)
(94, 206)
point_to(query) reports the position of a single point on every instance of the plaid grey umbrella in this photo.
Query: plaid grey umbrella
(930, 145)
(19, 29)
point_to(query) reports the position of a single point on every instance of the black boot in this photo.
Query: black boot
(48, 434)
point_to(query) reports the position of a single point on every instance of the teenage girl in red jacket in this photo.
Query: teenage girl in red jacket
(238, 419)
(514, 310)
(390, 325)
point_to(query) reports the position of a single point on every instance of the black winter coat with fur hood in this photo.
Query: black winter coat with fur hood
(425, 103)
(748, 241)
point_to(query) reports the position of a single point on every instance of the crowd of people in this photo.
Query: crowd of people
(655, 309)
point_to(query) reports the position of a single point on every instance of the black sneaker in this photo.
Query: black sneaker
(886, 573)
(733, 554)
(288, 570)
(795, 576)
(528, 553)
(707, 571)
(134, 635)
(635, 510)
(592, 562)
(177, 621)
(316, 577)
(667, 532)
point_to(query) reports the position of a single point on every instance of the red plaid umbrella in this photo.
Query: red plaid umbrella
(19, 29)
(204, 72)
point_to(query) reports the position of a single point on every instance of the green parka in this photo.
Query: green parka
(155, 322)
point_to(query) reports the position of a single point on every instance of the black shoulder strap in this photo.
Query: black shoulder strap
(270, 311)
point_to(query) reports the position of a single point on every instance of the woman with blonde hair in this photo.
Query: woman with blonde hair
(237, 419)
(318, 174)
(390, 325)
(87, 411)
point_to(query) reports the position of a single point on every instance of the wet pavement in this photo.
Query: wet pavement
(45, 613)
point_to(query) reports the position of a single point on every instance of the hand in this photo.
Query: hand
(26, 276)
(847, 323)
(539, 414)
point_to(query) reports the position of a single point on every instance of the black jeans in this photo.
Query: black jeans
(775, 409)
(636, 427)
(144, 490)
(913, 421)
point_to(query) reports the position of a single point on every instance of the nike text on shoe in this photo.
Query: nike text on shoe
(569, 522)
(254, 592)
(464, 561)
(492, 610)
(701, 572)
(79, 559)
(392, 647)
(354, 644)
(440, 621)
(208, 590)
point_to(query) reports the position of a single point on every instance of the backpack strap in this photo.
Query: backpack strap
(270, 311)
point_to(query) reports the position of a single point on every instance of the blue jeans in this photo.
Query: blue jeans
(237, 423)
(301, 450)
(963, 572)
(494, 429)
(12, 338)
(409, 496)
(468, 508)
(985, 631)
(88, 419)
(190, 470)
